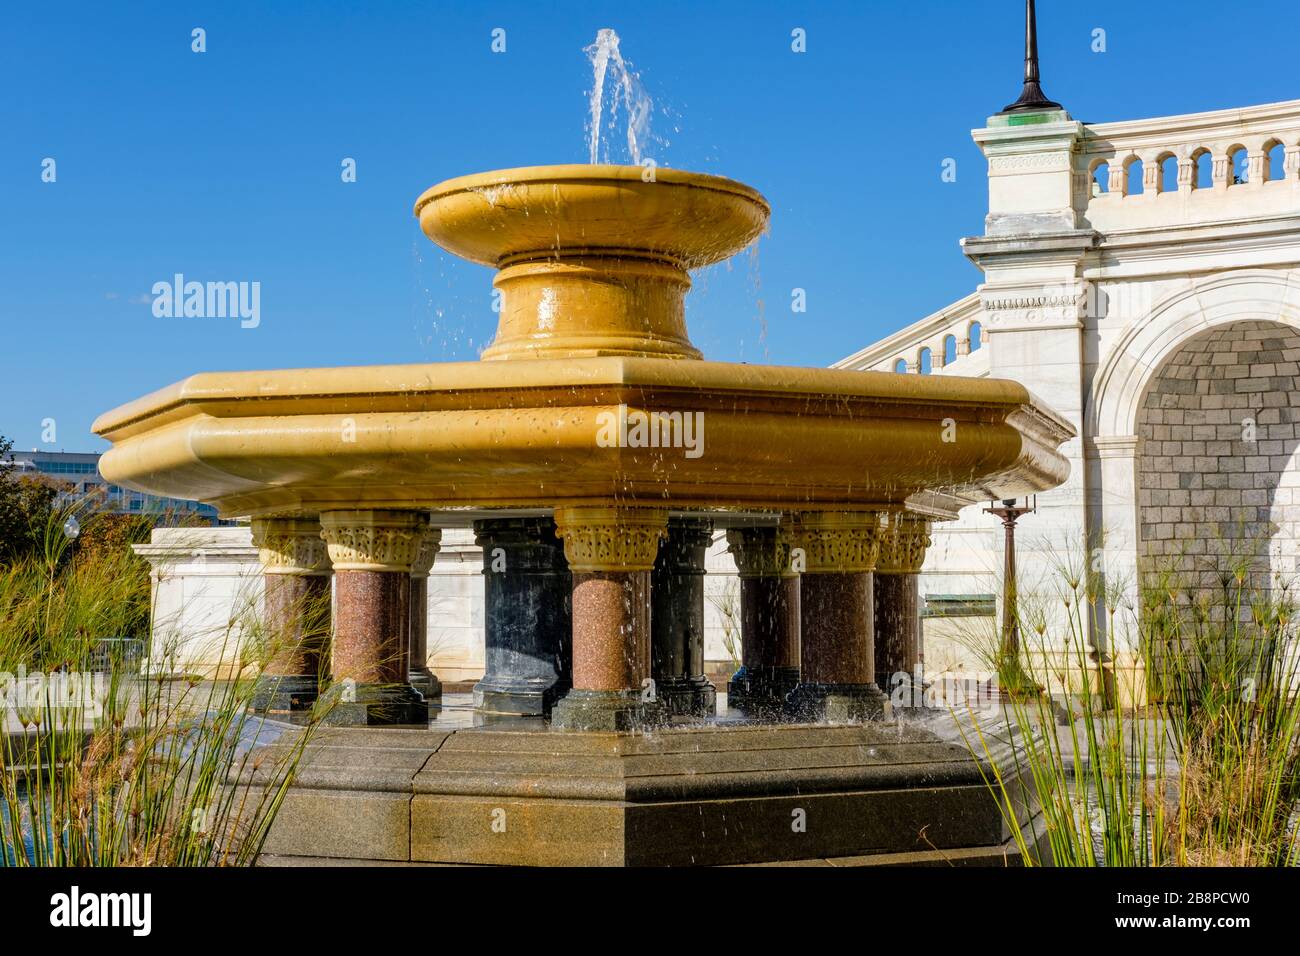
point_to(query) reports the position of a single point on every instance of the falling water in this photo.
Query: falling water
(625, 90)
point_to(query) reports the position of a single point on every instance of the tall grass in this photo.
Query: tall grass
(1202, 769)
(137, 768)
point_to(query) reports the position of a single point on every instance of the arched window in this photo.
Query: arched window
(976, 336)
(1133, 185)
(1237, 157)
(1202, 169)
(925, 362)
(949, 349)
(1101, 178)
(901, 366)
(1275, 168)
(1168, 173)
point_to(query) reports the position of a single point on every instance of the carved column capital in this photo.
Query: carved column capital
(430, 542)
(611, 538)
(378, 540)
(903, 545)
(290, 545)
(840, 542)
(761, 552)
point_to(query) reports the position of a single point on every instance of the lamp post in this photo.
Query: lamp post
(1011, 673)
(71, 529)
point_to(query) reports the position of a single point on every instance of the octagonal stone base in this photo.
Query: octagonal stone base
(738, 794)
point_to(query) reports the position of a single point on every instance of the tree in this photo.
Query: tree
(26, 504)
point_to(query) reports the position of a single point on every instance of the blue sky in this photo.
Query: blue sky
(225, 165)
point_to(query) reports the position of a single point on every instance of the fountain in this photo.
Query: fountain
(597, 452)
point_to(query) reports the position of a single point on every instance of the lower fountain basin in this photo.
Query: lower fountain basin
(553, 431)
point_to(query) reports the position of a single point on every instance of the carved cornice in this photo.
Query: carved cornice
(374, 540)
(761, 552)
(903, 545)
(429, 545)
(290, 546)
(611, 539)
(1057, 160)
(840, 542)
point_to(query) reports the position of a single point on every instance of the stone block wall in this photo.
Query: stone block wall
(1217, 476)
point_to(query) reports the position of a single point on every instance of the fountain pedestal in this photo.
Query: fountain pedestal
(528, 617)
(373, 552)
(837, 660)
(296, 568)
(611, 552)
(871, 794)
(769, 621)
(677, 620)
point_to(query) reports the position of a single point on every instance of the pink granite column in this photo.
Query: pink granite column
(769, 620)
(837, 655)
(296, 603)
(611, 552)
(373, 553)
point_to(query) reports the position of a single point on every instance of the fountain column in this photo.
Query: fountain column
(528, 619)
(677, 620)
(611, 552)
(769, 620)
(898, 606)
(839, 551)
(296, 572)
(418, 673)
(373, 552)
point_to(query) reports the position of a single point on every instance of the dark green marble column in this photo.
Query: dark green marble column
(769, 621)
(528, 620)
(677, 620)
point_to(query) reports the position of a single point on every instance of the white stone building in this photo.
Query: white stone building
(1143, 278)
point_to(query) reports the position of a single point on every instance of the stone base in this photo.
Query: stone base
(872, 794)
(687, 696)
(761, 691)
(428, 686)
(517, 698)
(606, 710)
(348, 704)
(284, 693)
(837, 703)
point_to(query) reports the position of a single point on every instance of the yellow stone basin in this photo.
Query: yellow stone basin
(691, 218)
(600, 396)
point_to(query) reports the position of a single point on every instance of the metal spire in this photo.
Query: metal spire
(1031, 97)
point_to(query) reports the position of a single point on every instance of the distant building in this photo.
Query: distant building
(80, 470)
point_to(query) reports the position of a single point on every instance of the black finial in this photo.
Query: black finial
(1031, 97)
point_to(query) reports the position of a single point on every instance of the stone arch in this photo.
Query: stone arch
(1216, 467)
(1157, 332)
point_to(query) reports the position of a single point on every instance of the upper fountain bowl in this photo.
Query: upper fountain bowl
(548, 211)
(592, 260)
